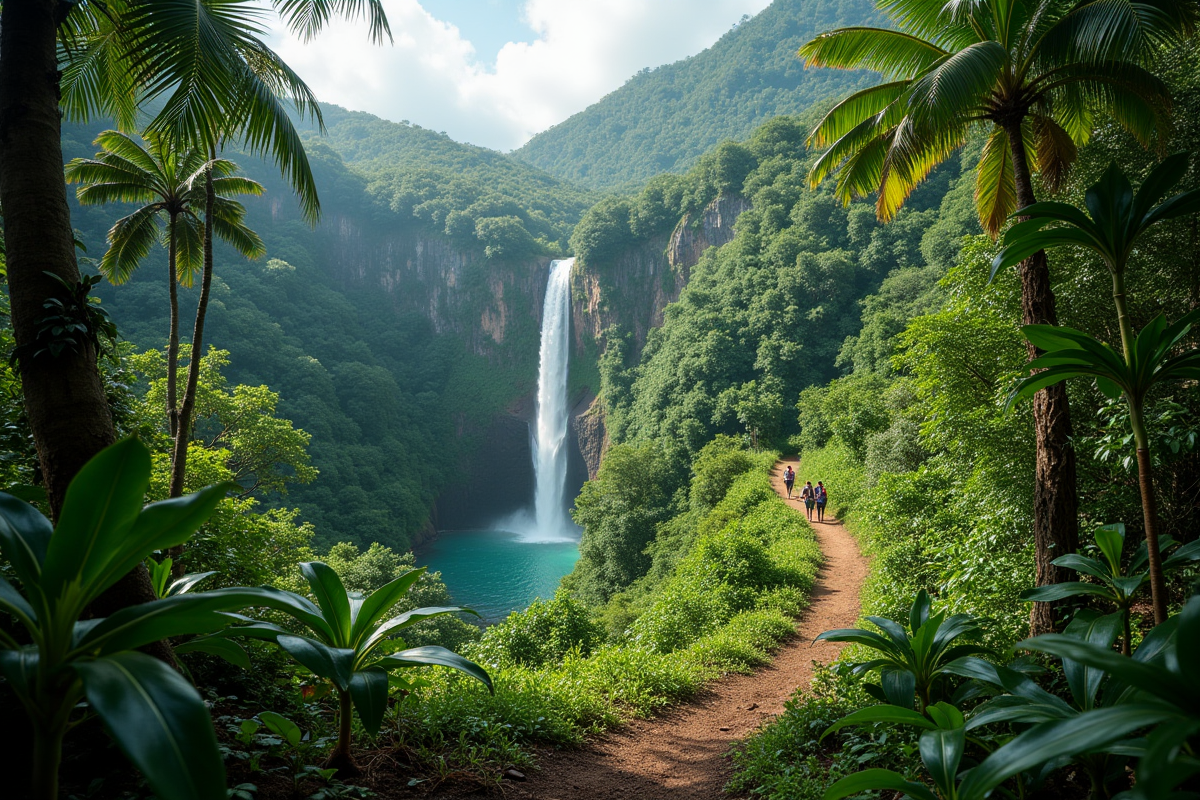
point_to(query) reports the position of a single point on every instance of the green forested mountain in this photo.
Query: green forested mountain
(662, 120)
(368, 326)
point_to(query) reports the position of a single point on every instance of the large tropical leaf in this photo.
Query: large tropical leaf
(24, 539)
(102, 503)
(380, 602)
(874, 779)
(159, 721)
(369, 691)
(439, 657)
(333, 599)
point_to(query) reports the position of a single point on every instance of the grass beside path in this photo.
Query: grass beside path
(730, 600)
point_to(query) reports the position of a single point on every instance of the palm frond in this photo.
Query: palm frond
(128, 150)
(931, 20)
(913, 154)
(863, 170)
(130, 240)
(851, 112)
(860, 136)
(94, 80)
(957, 87)
(308, 17)
(189, 248)
(237, 234)
(1100, 31)
(235, 185)
(995, 188)
(894, 54)
(1055, 150)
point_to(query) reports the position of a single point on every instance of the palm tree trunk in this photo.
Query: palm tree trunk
(1158, 586)
(1055, 499)
(64, 396)
(173, 336)
(187, 407)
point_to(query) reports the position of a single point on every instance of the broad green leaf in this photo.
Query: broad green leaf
(435, 656)
(945, 715)
(899, 685)
(403, 621)
(188, 582)
(332, 597)
(872, 779)
(282, 727)
(218, 646)
(380, 602)
(20, 668)
(159, 526)
(1010, 708)
(1101, 631)
(918, 614)
(1185, 555)
(1059, 591)
(24, 538)
(369, 691)
(1108, 388)
(1088, 566)
(1146, 677)
(159, 721)
(1050, 740)
(178, 615)
(1187, 645)
(101, 506)
(942, 750)
(882, 713)
(12, 602)
(1111, 539)
(331, 663)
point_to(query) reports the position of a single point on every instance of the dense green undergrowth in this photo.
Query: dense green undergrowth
(561, 672)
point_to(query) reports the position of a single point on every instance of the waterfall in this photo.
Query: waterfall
(550, 444)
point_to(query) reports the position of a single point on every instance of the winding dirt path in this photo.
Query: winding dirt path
(681, 754)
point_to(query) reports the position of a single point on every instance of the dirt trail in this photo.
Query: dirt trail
(681, 754)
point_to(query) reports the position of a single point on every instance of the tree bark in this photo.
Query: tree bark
(64, 396)
(173, 336)
(183, 433)
(1055, 498)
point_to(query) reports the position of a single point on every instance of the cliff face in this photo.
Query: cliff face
(489, 304)
(633, 289)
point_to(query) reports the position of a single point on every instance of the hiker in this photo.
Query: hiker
(809, 496)
(789, 478)
(822, 497)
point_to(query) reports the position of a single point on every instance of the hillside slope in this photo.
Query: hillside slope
(394, 330)
(664, 119)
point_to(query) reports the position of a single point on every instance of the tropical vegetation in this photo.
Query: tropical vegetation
(211, 576)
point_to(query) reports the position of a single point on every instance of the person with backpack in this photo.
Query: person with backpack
(809, 496)
(789, 478)
(822, 497)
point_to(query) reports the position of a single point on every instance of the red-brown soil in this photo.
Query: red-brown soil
(683, 753)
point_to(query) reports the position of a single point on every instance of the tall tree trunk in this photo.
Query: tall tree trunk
(64, 396)
(1055, 499)
(173, 336)
(183, 433)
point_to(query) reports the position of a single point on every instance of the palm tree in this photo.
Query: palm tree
(1118, 218)
(148, 51)
(164, 180)
(1031, 74)
(152, 50)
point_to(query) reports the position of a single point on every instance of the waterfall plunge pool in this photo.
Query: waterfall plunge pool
(497, 572)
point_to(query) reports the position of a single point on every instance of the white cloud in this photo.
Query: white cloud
(433, 77)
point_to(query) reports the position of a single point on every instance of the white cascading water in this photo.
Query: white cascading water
(550, 452)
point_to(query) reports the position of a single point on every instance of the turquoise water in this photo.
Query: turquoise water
(496, 572)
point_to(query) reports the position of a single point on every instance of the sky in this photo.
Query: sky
(495, 72)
